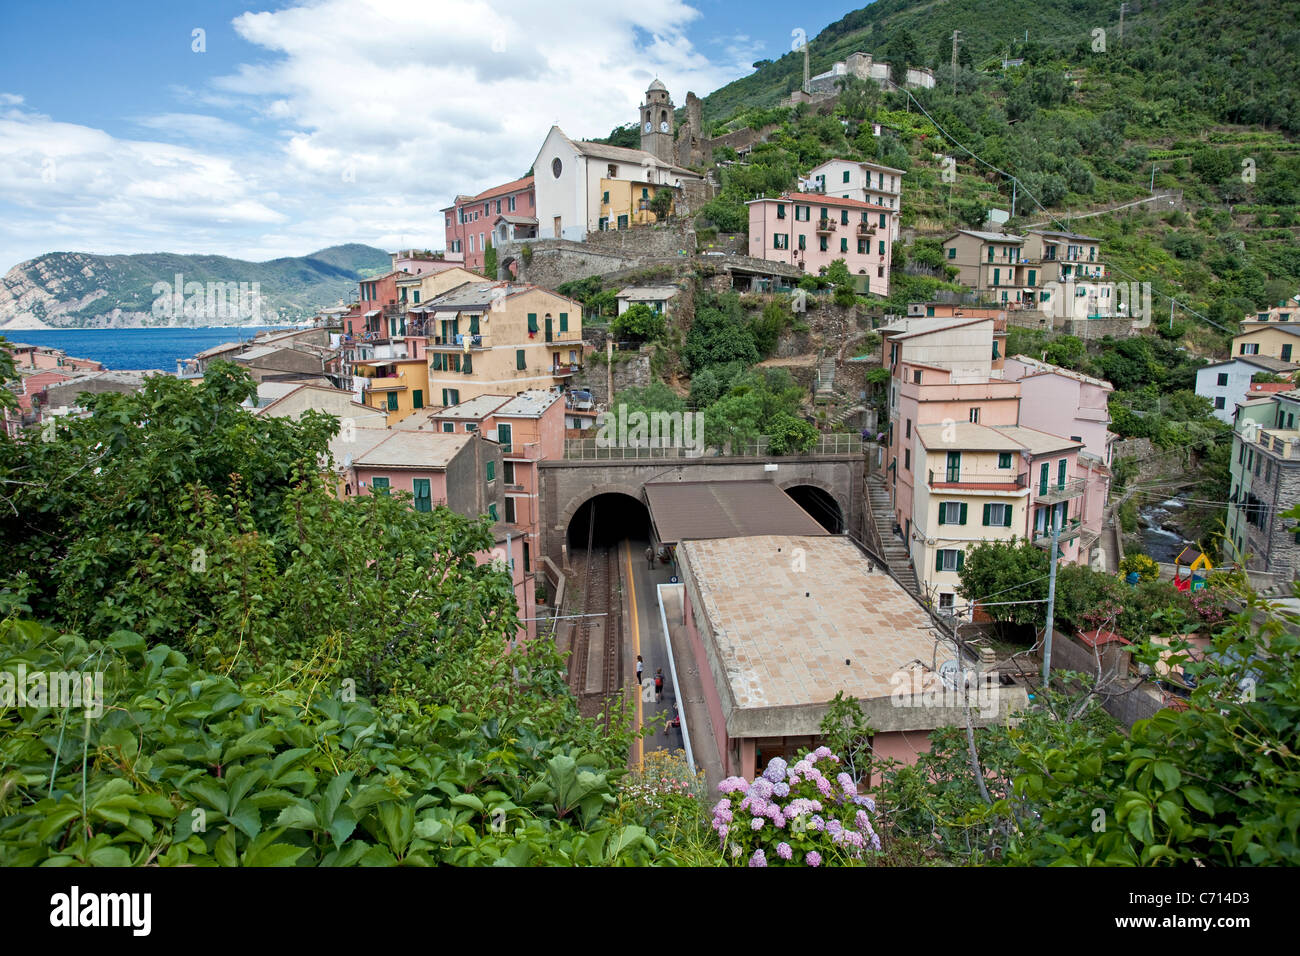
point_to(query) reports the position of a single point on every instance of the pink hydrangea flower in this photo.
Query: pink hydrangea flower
(759, 858)
(813, 858)
(783, 851)
(756, 823)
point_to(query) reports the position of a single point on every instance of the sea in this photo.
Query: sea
(121, 349)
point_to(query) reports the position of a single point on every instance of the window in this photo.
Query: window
(954, 466)
(450, 396)
(882, 220)
(467, 364)
(1042, 478)
(1004, 459)
(392, 401)
(604, 197)
(862, 247)
(417, 398)
(1220, 402)
(821, 244)
(846, 175)
(844, 217)
(949, 559)
(916, 376)
(803, 241)
(423, 498)
(448, 426)
(1060, 473)
(527, 562)
(510, 510)
(780, 211)
(504, 438)
(379, 486)
(780, 240)
(975, 416)
(802, 213)
(532, 323)
(945, 600)
(997, 516)
(491, 471)
(844, 244)
(1286, 352)
(1223, 378)
(952, 253)
(1249, 348)
(520, 362)
(564, 321)
(508, 472)
(881, 250)
(907, 459)
(952, 512)
(908, 432)
(492, 512)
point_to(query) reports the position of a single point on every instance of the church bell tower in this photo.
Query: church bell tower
(657, 122)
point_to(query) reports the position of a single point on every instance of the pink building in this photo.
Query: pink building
(38, 356)
(469, 221)
(529, 429)
(1064, 402)
(810, 231)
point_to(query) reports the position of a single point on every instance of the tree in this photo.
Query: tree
(998, 572)
(639, 323)
(837, 273)
(662, 204)
(719, 334)
(490, 261)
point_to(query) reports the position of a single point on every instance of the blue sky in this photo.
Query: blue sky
(302, 125)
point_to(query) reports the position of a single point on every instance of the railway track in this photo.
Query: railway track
(596, 658)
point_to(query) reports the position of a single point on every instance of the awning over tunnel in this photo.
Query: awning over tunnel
(696, 510)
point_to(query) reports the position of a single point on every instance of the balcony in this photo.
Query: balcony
(456, 343)
(825, 226)
(976, 481)
(565, 370)
(1057, 492)
(1071, 531)
(866, 229)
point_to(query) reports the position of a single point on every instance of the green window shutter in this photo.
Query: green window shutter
(564, 321)
(987, 509)
(1060, 473)
(803, 244)
(532, 321)
(473, 325)
(418, 396)
(468, 366)
(882, 247)
(491, 470)
(844, 217)
(379, 485)
(942, 512)
(1006, 520)
(1033, 274)
(392, 401)
(961, 559)
(604, 197)
(938, 560)
(952, 253)
(423, 498)
(963, 513)
(844, 244)
(520, 362)
(997, 276)
(882, 220)
(492, 511)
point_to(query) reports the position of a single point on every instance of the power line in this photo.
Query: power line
(1046, 211)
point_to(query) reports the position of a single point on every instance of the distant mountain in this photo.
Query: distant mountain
(78, 290)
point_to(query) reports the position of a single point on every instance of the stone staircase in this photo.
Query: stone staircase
(825, 380)
(895, 550)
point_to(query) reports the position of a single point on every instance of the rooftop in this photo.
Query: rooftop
(474, 409)
(648, 292)
(346, 450)
(688, 510)
(408, 449)
(988, 236)
(1047, 368)
(1036, 442)
(859, 162)
(965, 436)
(1062, 235)
(795, 632)
(821, 199)
(529, 404)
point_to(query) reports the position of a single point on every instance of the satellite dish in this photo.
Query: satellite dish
(948, 673)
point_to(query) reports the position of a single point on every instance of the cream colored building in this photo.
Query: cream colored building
(1271, 334)
(500, 338)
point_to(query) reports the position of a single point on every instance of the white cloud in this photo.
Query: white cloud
(360, 119)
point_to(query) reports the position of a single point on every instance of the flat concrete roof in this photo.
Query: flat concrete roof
(965, 436)
(689, 510)
(529, 404)
(474, 409)
(404, 449)
(347, 450)
(787, 611)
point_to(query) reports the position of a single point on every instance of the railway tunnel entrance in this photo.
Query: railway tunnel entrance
(820, 505)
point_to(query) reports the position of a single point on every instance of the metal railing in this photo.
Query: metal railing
(1062, 492)
(979, 477)
(595, 449)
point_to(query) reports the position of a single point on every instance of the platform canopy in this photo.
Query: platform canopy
(698, 510)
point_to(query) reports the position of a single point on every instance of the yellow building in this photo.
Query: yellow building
(397, 386)
(500, 338)
(969, 488)
(1271, 334)
(418, 289)
(625, 202)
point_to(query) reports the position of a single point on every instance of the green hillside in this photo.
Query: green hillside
(1196, 98)
(74, 289)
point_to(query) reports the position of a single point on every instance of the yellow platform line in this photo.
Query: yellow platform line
(636, 649)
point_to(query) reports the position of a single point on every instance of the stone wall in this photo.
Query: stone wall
(556, 261)
(1153, 462)
(1125, 698)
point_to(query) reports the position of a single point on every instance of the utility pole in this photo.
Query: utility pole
(1172, 302)
(1153, 179)
(1122, 8)
(1051, 608)
(955, 35)
(1014, 182)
